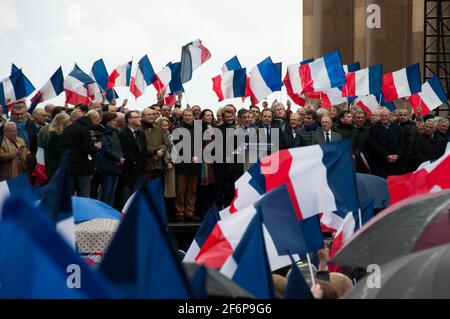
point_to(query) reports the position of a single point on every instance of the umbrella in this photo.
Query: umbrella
(217, 285)
(371, 186)
(421, 275)
(412, 225)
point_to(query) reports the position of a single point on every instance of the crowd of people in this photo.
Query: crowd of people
(111, 148)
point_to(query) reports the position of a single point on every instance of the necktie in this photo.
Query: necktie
(327, 137)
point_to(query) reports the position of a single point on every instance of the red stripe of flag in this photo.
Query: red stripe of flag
(306, 78)
(217, 87)
(350, 87)
(216, 249)
(112, 79)
(388, 87)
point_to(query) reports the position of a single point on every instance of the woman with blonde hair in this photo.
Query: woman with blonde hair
(52, 149)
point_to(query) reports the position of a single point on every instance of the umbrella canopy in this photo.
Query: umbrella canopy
(371, 186)
(217, 285)
(412, 225)
(421, 275)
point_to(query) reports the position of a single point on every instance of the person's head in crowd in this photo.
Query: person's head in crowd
(228, 116)
(402, 115)
(359, 118)
(82, 107)
(197, 110)
(207, 116)
(56, 111)
(326, 123)
(280, 111)
(420, 125)
(321, 113)
(256, 112)
(428, 117)
(39, 116)
(49, 109)
(177, 113)
(219, 113)
(252, 118)
(385, 116)
(59, 123)
(244, 118)
(328, 292)
(10, 131)
(163, 123)
(430, 127)
(346, 117)
(165, 111)
(375, 117)
(334, 112)
(294, 121)
(443, 125)
(394, 116)
(267, 117)
(230, 107)
(94, 116)
(310, 118)
(341, 283)
(148, 115)
(302, 112)
(157, 109)
(18, 113)
(188, 117)
(279, 285)
(96, 105)
(133, 119)
(109, 119)
(120, 120)
(112, 108)
(76, 114)
(265, 105)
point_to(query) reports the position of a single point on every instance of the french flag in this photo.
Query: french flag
(431, 97)
(51, 89)
(282, 233)
(39, 172)
(322, 74)
(368, 104)
(293, 71)
(230, 84)
(296, 98)
(75, 86)
(402, 83)
(120, 76)
(231, 64)
(364, 82)
(100, 75)
(162, 79)
(193, 55)
(29, 87)
(12, 89)
(352, 67)
(264, 79)
(143, 77)
(332, 97)
(15, 186)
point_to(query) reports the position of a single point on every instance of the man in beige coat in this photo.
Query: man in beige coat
(13, 153)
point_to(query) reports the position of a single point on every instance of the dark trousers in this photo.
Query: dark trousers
(186, 186)
(109, 185)
(81, 184)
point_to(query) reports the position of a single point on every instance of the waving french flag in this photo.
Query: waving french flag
(352, 67)
(296, 98)
(368, 104)
(162, 79)
(230, 84)
(431, 97)
(144, 76)
(364, 82)
(120, 76)
(322, 74)
(193, 55)
(264, 79)
(293, 71)
(402, 83)
(231, 64)
(100, 75)
(51, 89)
(12, 89)
(75, 86)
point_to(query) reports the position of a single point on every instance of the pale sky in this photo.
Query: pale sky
(39, 36)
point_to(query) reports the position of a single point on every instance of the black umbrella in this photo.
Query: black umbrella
(413, 225)
(217, 285)
(423, 275)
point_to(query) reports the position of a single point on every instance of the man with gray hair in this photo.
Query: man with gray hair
(430, 145)
(442, 127)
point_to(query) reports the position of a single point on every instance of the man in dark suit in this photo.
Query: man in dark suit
(134, 147)
(291, 134)
(326, 135)
(268, 130)
(429, 145)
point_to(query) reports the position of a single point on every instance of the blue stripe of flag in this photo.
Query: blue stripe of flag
(79, 74)
(270, 74)
(437, 88)
(335, 69)
(147, 70)
(57, 80)
(354, 67)
(129, 72)
(414, 79)
(233, 64)
(375, 79)
(239, 82)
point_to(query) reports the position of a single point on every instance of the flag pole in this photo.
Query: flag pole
(360, 218)
(310, 270)
(129, 88)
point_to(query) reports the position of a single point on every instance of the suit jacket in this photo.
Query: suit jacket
(135, 155)
(319, 138)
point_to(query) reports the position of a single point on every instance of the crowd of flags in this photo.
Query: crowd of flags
(324, 78)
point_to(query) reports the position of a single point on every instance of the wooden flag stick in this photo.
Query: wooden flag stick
(311, 270)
